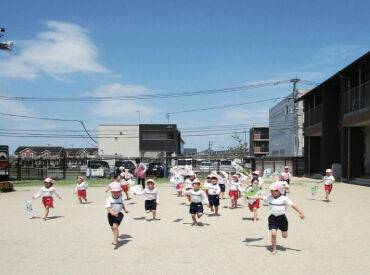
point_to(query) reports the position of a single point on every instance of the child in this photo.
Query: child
(124, 184)
(116, 181)
(253, 204)
(179, 186)
(206, 183)
(151, 198)
(189, 183)
(214, 191)
(285, 186)
(46, 193)
(288, 176)
(256, 175)
(235, 188)
(81, 189)
(277, 207)
(223, 179)
(328, 179)
(114, 205)
(197, 196)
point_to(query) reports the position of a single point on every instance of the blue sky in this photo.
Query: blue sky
(80, 48)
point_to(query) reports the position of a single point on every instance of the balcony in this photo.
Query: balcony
(261, 136)
(357, 99)
(261, 149)
(313, 116)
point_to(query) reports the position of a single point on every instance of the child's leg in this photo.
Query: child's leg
(200, 215)
(211, 207)
(232, 202)
(273, 241)
(284, 234)
(80, 199)
(115, 233)
(327, 194)
(222, 195)
(127, 195)
(147, 211)
(255, 213)
(154, 214)
(236, 203)
(194, 219)
(216, 210)
(46, 213)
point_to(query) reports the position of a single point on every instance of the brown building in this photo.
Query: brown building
(337, 124)
(31, 156)
(259, 141)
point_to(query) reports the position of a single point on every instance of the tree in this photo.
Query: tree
(240, 147)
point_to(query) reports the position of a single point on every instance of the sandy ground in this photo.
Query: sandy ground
(334, 238)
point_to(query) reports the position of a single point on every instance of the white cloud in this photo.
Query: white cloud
(64, 49)
(119, 109)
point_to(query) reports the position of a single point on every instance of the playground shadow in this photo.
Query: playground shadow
(278, 247)
(54, 217)
(178, 220)
(199, 223)
(248, 219)
(124, 239)
(139, 218)
(132, 203)
(249, 240)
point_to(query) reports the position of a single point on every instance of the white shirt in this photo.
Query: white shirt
(150, 194)
(235, 186)
(81, 186)
(114, 204)
(287, 176)
(188, 183)
(123, 182)
(278, 206)
(197, 196)
(213, 189)
(47, 192)
(283, 183)
(328, 180)
(222, 180)
(206, 184)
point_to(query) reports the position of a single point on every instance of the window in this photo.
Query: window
(31, 154)
(23, 155)
(46, 155)
(156, 136)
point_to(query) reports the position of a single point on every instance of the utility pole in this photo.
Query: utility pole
(295, 114)
(209, 155)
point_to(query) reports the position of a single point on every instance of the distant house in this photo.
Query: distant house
(31, 156)
(190, 151)
(77, 157)
(259, 141)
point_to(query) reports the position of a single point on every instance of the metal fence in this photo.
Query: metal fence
(357, 98)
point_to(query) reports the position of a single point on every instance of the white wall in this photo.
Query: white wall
(123, 140)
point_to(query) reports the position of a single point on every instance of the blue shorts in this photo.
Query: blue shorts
(150, 205)
(214, 200)
(196, 207)
(278, 222)
(112, 219)
(222, 187)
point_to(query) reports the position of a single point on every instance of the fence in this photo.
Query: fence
(201, 166)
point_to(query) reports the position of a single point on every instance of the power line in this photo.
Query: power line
(54, 119)
(147, 96)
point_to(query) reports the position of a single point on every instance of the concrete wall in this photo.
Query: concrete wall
(124, 141)
(286, 128)
(367, 150)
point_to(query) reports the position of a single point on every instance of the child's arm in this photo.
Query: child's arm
(299, 211)
(255, 198)
(76, 189)
(205, 199)
(107, 189)
(112, 212)
(38, 194)
(124, 208)
(157, 196)
(320, 181)
(57, 194)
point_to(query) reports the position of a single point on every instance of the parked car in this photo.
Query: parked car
(156, 168)
(206, 166)
(128, 164)
(225, 165)
(98, 168)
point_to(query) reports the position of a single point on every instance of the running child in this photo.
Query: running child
(253, 205)
(214, 191)
(235, 188)
(285, 186)
(47, 193)
(197, 197)
(288, 176)
(124, 184)
(189, 183)
(277, 207)
(115, 206)
(179, 186)
(256, 175)
(206, 183)
(116, 181)
(80, 189)
(329, 180)
(151, 198)
(222, 181)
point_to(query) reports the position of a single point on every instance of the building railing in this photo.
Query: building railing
(313, 116)
(357, 98)
(261, 149)
(261, 136)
